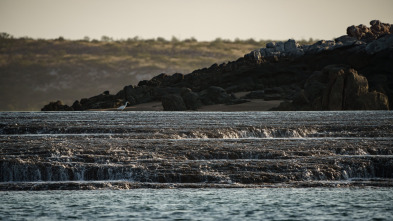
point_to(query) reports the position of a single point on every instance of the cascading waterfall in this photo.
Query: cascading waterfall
(244, 133)
(231, 149)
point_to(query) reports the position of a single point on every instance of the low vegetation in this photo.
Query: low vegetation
(36, 71)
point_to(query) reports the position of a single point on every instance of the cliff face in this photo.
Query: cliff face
(353, 72)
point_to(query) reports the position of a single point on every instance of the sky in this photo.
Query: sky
(204, 20)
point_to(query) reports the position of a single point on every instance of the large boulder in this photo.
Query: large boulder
(347, 90)
(374, 101)
(315, 85)
(191, 99)
(173, 102)
(337, 87)
(214, 95)
(378, 28)
(359, 32)
(369, 34)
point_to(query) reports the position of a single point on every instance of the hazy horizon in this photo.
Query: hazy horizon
(202, 19)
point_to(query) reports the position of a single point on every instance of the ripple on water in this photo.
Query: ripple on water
(201, 204)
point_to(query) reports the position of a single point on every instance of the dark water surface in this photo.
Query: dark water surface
(200, 204)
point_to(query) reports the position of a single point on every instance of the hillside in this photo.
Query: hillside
(351, 72)
(35, 71)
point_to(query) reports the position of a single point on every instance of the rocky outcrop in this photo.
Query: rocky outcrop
(337, 87)
(137, 94)
(101, 101)
(191, 99)
(282, 70)
(356, 35)
(290, 48)
(368, 34)
(343, 89)
(163, 80)
(56, 106)
(173, 102)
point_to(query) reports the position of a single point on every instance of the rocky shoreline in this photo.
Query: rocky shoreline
(352, 72)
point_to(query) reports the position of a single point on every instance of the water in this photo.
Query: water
(127, 150)
(200, 204)
(196, 166)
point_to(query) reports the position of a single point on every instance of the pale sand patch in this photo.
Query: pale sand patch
(253, 105)
(241, 94)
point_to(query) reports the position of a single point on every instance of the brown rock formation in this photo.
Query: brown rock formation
(377, 29)
(337, 87)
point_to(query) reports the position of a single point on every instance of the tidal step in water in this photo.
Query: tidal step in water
(94, 150)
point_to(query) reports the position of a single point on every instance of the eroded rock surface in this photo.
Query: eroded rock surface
(368, 34)
(337, 87)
